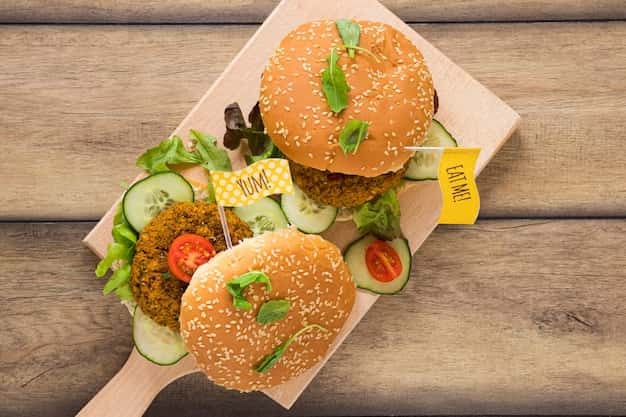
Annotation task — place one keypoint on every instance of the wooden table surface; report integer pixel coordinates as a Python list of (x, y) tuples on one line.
[(522, 313)]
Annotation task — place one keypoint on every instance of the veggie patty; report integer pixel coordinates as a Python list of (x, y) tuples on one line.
[(155, 290), (342, 190)]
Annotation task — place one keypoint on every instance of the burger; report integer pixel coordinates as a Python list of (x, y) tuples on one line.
[(267, 310), (341, 100)]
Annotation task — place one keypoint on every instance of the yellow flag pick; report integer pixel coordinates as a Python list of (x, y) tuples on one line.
[(461, 201), (243, 187)]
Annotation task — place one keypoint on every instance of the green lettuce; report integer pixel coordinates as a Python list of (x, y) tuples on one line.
[(169, 152), (212, 157), (204, 152), (118, 258), (380, 217)]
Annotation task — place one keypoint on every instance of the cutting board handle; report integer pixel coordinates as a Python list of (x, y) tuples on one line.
[(131, 391)]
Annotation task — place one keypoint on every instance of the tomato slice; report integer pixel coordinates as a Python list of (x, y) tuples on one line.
[(187, 252), (382, 261)]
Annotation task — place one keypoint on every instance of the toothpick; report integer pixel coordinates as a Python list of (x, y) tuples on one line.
[(229, 242), (424, 148)]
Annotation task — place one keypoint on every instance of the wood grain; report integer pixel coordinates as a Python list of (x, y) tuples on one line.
[(117, 90), (538, 327), (247, 11)]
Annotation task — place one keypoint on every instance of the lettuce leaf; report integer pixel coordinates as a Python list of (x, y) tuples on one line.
[(212, 157), (119, 257), (236, 129), (118, 278), (124, 293), (380, 217), (169, 152), (115, 251)]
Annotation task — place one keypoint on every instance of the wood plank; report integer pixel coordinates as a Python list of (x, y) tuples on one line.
[(530, 330), (245, 11), (117, 90)]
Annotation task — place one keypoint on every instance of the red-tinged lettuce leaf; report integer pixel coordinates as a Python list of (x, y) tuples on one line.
[(236, 129)]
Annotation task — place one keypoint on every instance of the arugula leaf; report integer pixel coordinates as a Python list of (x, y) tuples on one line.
[(236, 286), (380, 217), (272, 310), (270, 360), (350, 32), (169, 152), (119, 257), (364, 50), (353, 133), (334, 84), (248, 278)]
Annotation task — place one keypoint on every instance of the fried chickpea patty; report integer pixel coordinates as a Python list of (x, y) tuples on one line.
[(157, 293), (342, 190)]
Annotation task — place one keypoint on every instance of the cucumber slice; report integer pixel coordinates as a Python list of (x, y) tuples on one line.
[(263, 216), (424, 165), (146, 198), (307, 215), (159, 344), (354, 256)]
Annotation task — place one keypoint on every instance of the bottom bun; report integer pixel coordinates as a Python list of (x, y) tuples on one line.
[(228, 343)]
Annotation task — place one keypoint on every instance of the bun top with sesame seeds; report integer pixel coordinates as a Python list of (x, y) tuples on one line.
[(394, 95), (228, 343)]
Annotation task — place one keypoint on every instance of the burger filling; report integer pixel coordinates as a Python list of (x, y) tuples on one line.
[(342, 190)]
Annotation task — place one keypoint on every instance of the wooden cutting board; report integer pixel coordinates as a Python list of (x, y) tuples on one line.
[(473, 114)]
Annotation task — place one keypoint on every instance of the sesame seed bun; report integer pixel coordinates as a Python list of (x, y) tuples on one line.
[(228, 343), (395, 96)]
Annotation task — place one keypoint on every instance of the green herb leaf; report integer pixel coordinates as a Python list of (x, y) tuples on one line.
[(248, 278), (380, 217), (353, 133), (270, 360), (364, 50), (272, 310), (236, 286), (166, 276), (240, 303), (169, 152), (334, 84), (350, 32)]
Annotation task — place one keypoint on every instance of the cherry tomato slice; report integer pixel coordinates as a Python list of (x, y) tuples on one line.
[(382, 261), (187, 252)]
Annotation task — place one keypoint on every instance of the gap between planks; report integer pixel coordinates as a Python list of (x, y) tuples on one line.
[(244, 11)]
